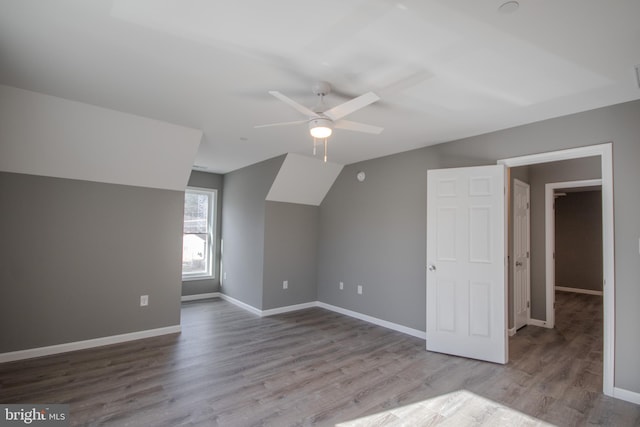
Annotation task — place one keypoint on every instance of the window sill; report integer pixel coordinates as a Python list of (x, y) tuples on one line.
[(193, 278)]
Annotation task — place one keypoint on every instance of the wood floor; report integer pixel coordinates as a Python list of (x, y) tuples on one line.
[(316, 367)]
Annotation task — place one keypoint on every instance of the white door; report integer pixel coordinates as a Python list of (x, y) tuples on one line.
[(521, 247), (466, 281)]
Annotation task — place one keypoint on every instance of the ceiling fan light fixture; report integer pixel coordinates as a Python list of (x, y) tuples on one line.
[(321, 132), (320, 128)]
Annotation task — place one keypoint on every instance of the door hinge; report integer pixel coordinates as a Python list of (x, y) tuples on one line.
[(528, 304), (527, 205), (527, 254)]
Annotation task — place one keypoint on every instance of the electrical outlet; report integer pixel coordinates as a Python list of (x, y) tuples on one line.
[(144, 300), (285, 284), (359, 289), (341, 285)]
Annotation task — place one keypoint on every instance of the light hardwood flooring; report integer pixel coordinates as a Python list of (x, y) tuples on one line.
[(316, 367)]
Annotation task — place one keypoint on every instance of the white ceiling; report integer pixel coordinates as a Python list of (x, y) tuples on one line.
[(445, 69)]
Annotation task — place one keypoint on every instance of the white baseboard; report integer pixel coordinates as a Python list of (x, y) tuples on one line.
[(512, 331), (241, 304), (200, 296), (287, 309), (629, 396), (578, 290), (540, 323), (270, 312), (386, 324), (82, 345)]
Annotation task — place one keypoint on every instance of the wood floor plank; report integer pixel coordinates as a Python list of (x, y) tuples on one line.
[(316, 367)]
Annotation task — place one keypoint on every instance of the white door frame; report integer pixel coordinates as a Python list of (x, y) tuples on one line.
[(517, 182), (605, 151), (550, 240)]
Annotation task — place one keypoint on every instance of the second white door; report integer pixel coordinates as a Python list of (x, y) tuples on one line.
[(521, 248)]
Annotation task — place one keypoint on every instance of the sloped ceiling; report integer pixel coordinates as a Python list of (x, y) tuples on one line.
[(303, 180), (445, 69), (50, 136)]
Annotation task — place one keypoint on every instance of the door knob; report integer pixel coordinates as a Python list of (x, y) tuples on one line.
[(518, 264), (431, 267)]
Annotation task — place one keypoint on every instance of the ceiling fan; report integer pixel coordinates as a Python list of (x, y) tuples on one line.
[(322, 121)]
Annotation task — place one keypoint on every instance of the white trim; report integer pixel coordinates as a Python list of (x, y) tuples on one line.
[(288, 308), (540, 323), (212, 193), (241, 304), (270, 312), (82, 345), (511, 331), (196, 297), (554, 156), (196, 278), (578, 290), (629, 396), (605, 151), (385, 324), (609, 269), (550, 239)]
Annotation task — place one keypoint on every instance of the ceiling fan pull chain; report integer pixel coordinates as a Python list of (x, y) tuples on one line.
[(314, 146), (325, 150)]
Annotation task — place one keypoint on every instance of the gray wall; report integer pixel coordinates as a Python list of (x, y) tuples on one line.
[(214, 181), (76, 256), (243, 213), (361, 239), (290, 250), (578, 237), (539, 176), (373, 233)]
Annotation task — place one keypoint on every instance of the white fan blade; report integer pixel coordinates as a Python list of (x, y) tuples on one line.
[(358, 127), (349, 107), (304, 110), (297, 122)]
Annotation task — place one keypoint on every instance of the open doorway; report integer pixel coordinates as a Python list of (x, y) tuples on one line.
[(573, 240), (603, 156)]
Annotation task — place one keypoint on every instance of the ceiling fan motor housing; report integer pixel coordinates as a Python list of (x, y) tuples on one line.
[(320, 127), (321, 88), (320, 122)]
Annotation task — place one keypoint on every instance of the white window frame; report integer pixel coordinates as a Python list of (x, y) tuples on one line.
[(213, 204)]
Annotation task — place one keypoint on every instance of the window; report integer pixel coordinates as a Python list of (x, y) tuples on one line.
[(198, 234)]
